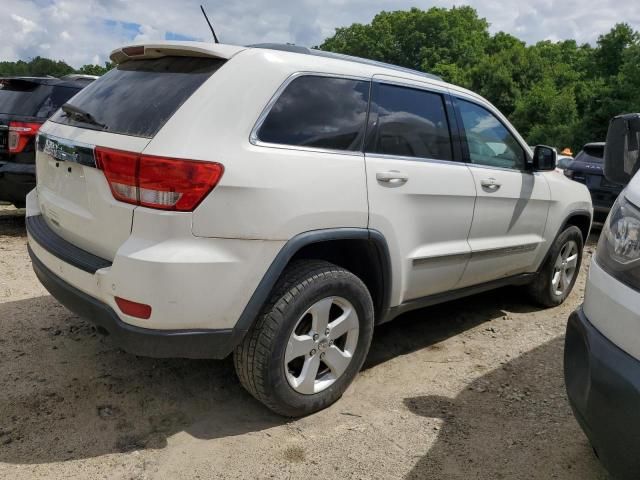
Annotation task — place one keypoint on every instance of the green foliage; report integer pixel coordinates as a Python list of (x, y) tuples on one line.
[(556, 93), (95, 69), (39, 66)]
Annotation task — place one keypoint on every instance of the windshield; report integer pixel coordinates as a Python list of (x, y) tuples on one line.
[(591, 154)]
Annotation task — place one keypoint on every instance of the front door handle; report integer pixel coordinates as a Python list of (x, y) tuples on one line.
[(490, 184), (393, 177)]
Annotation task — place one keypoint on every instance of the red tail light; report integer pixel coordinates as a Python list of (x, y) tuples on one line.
[(20, 134), (158, 182)]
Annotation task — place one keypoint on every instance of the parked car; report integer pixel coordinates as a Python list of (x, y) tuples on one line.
[(602, 347), (587, 168), (564, 161), (282, 219), (25, 103)]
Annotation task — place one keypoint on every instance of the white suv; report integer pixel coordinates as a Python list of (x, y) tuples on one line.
[(279, 202)]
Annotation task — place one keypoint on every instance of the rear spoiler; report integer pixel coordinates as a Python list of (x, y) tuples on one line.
[(175, 49)]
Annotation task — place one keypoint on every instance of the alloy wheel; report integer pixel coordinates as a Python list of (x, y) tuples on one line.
[(565, 268), (321, 345)]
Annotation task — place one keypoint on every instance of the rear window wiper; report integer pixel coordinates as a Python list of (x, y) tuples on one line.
[(81, 115)]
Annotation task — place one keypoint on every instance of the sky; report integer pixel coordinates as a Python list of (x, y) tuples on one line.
[(86, 31)]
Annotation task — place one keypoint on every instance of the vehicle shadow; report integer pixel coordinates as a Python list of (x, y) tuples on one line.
[(515, 422), (428, 326), (12, 222), (67, 393)]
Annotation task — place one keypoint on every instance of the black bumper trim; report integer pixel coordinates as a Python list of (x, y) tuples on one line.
[(67, 252), (196, 343), (603, 386)]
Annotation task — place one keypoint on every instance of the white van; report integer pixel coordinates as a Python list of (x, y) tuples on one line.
[(602, 350)]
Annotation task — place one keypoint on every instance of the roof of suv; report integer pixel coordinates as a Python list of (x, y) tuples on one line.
[(219, 50)]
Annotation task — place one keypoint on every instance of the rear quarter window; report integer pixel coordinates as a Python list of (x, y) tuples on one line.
[(139, 96), (318, 112)]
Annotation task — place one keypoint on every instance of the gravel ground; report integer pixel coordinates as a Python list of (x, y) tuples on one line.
[(469, 389)]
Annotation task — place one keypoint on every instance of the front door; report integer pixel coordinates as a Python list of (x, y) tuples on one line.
[(421, 196), (512, 204)]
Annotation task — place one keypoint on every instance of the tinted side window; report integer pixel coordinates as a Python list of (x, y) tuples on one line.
[(411, 123), (320, 112), (489, 141)]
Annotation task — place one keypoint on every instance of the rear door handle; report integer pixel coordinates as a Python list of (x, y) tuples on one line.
[(490, 184), (393, 177)]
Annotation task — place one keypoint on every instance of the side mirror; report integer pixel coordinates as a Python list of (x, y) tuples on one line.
[(544, 158), (622, 147)]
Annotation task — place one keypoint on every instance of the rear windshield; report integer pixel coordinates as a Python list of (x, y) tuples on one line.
[(591, 154), (28, 99), (139, 96)]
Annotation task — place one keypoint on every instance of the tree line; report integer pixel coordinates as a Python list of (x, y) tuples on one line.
[(556, 93), (40, 66)]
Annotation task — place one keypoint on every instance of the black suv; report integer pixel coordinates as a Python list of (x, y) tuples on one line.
[(25, 104), (588, 168)]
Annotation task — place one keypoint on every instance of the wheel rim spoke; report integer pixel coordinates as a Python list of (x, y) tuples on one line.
[(298, 346), (558, 264), (345, 322), (336, 360), (320, 315), (572, 261), (307, 379), (565, 267)]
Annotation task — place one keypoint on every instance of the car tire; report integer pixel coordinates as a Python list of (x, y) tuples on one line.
[(553, 284), (308, 292)]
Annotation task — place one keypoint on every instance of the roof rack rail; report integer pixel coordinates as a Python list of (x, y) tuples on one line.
[(287, 47)]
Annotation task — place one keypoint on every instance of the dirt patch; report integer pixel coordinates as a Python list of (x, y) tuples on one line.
[(469, 389)]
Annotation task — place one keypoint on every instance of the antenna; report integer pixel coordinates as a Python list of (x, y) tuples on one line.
[(215, 38)]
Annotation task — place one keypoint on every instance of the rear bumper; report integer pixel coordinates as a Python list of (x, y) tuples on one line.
[(138, 341), (16, 180), (603, 386)]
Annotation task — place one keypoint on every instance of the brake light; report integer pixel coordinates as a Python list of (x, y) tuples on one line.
[(134, 309), (20, 134), (158, 182)]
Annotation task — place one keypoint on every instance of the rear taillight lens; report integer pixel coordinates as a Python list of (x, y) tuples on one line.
[(20, 134), (134, 309), (158, 182)]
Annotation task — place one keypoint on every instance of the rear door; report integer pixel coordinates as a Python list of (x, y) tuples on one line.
[(421, 194), (125, 109), (512, 204)]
